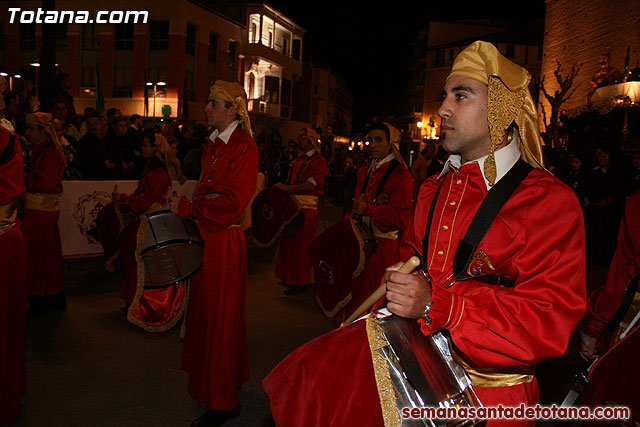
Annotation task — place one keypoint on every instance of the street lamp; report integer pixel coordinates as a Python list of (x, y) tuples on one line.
[(155, 85)]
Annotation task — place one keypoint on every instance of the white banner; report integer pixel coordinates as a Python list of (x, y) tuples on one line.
[(82, 200)]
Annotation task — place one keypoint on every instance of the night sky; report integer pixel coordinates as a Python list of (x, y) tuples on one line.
[(369, 46)]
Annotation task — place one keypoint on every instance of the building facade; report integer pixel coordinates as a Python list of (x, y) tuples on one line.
[(132, 58)]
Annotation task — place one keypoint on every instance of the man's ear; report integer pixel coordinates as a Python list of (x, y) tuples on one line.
[(232, 112)]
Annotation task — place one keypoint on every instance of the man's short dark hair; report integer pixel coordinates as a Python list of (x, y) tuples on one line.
[(135, 117), (380, 126), (111, 112), (116, 120)]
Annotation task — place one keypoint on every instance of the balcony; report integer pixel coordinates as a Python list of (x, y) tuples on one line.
[(268, 108), (261, 51)]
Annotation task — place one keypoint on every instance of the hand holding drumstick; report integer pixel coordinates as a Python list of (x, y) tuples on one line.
[(399, 271)]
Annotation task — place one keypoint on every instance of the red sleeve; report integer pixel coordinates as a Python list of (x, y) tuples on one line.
[(45, 173), (221, 212), (11, 171), (495, 326), (394, 214), (318, 170), (152, 188), (624, 266)]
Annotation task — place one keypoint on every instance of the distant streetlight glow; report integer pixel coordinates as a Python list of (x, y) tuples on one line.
[(419, 124)]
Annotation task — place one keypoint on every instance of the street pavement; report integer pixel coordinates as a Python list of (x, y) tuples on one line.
[(89, 367)]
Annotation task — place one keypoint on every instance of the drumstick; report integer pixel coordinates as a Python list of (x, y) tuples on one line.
[(405, 268)]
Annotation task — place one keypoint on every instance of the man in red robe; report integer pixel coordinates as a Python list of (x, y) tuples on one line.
[(215, 343), (45, 271), (305, 183), (383, 207), (13, 286), (533, 251)]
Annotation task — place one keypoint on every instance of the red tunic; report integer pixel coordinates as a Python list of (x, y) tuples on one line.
[(154, 310), (293, 266), (390, 212), (215, 343), (45, 271), (604, 301), (13, 289), (537, 240)]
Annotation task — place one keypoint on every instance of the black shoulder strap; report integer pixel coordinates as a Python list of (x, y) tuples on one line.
[(627, 299), (8, 150), (484, 217), (482, 220), (394, 164)]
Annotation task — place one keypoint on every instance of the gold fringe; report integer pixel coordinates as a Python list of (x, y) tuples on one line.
[(277, 235), (381, 370), (339, 306), (140, 288), (358, 271)]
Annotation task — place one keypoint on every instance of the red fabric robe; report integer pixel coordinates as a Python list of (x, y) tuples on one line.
[(625, 265), (293, 266), (215, 343), (616, 372), (537, 240), (391, 211), (159, 309), (13, 289), (45, 270)]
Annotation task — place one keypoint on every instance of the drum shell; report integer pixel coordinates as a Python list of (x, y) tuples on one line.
[(172, 249)]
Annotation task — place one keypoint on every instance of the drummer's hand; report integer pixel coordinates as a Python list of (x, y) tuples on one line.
[(281, 185), (360, 205), (587, 347), (407, 294), (115, 196)]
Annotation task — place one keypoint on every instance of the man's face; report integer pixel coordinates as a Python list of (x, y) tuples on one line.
[(93, 125), (147, 149), (13, 107), (378, 144), (603, 158), (304, 141), (58, 127), (120, 128), (60, 111), (217, 114), (465, 126), (36, 135), (575, 163)]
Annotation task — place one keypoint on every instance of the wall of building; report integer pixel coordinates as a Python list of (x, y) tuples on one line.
[(577, 32)]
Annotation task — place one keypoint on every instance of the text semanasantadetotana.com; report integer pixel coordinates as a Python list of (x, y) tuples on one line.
[(536, 412)]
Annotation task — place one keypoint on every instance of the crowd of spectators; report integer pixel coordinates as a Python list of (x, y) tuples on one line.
[(108, 147)]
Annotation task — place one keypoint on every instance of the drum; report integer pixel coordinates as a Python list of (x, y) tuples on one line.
[(423, 371), (110, 221), (337, 259), (613, 378), (172, 249), (274, 214)]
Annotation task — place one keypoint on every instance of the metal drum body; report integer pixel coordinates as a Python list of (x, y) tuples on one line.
[(424, 373), (172, 249)]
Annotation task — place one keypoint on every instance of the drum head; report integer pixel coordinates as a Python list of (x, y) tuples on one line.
[(272, 211)]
